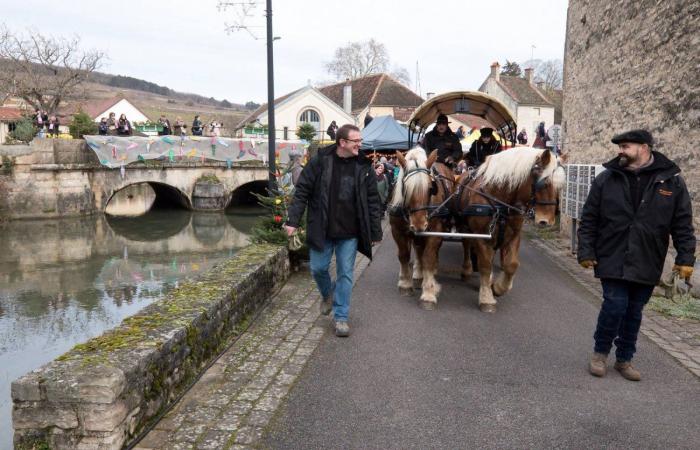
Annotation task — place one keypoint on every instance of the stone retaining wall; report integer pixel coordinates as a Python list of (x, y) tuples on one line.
[(104, 392)]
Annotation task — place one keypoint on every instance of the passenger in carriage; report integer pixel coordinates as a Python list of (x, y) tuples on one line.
[(485, 146), (443, 139)]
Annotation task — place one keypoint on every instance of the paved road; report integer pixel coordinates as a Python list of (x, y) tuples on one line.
[(457, 378)]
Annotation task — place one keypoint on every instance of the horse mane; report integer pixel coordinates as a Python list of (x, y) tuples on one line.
[(414, 185), (511, 168)]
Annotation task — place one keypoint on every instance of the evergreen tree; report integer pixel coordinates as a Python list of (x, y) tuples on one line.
[(511, 68)]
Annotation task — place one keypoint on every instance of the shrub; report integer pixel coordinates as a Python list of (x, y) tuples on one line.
[(306, 132), (24, 130), (82, 125)]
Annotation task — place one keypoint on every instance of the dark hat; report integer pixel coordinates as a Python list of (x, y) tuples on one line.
[(442, 119), (636, 136), (486, 131)]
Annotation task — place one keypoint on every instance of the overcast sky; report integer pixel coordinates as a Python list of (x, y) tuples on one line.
[(182, 44)]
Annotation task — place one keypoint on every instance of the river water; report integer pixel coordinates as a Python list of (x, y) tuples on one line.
[(65, 281)]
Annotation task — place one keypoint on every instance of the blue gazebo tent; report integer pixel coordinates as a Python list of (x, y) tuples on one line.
[(384, 133)]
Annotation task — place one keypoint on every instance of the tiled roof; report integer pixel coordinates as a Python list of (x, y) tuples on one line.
[(8, 114), (93, 108), (373, 90), (473, 121), (522, 91), (261, 109)]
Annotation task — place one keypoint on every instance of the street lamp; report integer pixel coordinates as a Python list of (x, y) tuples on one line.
[(272, 183)]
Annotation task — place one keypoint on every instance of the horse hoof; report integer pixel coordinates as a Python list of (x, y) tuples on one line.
[(487, 307), (426, 305), (406, 292), (418, 283), (465, 276)]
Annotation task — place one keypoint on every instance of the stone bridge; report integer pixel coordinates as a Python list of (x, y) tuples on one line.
[(56, 178)]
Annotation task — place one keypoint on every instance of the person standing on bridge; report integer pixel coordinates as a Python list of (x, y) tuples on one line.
[(631, 210), (340, 188), (442, 139)]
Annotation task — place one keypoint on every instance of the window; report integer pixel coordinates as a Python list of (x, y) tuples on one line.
[(11, 126), (537, 110), (309, 116)]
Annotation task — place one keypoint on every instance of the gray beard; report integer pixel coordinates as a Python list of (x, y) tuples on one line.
[(624, 161)]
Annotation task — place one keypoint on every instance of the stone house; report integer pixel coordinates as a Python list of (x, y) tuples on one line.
[(526, 101), (625, 67), (346, 102)]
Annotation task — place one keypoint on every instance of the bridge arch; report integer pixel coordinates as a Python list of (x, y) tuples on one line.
[(242, 195), (138, 198)]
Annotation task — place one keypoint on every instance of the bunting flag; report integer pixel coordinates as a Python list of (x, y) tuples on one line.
[(171, 155), (228, 163), (122, 171), (113, 151)]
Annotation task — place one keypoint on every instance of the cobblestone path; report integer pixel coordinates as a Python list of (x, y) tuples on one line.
[(235, 399)]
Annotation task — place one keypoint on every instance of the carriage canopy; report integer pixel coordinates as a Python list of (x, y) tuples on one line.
[(465, 102)]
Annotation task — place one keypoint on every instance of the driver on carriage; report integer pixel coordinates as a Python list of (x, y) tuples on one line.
[(443, 139), (485, 146)]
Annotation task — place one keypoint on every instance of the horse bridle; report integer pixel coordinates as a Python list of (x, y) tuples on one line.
[(434, 209)]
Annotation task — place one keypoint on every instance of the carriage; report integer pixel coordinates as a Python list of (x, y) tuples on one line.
[(484, 209)]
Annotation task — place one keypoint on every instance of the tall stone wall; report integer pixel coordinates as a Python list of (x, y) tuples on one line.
[(634, 64)]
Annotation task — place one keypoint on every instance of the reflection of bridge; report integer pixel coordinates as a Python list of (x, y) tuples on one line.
[(56, 179)]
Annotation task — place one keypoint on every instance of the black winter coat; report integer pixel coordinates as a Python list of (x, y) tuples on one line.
[(629, 245), (312, 190), (446, 144), (479, 151)]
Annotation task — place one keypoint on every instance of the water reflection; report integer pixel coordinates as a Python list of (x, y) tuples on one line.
[(64, 281)]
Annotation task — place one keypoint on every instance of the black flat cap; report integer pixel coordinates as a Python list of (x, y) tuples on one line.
[(486, 131), (442, 119), (635, 136)]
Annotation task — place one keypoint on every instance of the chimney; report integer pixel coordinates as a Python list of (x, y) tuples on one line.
[(496, 71), (429, 95), (347, 97), (528, 75), (540, 85)]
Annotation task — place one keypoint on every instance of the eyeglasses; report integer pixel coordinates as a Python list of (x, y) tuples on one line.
[(354, 141)]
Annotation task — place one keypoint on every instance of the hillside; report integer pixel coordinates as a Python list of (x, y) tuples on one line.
[(155, 100)]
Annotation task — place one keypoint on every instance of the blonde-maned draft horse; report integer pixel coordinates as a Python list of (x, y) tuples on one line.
[(496, 200), (417, 205)]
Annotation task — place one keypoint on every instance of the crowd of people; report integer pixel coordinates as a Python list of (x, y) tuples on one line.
[(122, 126), (45, 124)]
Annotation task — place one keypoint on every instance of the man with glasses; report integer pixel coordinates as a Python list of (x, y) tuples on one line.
[(344, 212)]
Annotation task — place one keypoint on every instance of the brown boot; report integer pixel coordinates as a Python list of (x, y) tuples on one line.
[(627, 371), (598, 364)]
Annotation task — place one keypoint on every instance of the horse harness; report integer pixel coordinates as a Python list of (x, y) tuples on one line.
[(498, 210)]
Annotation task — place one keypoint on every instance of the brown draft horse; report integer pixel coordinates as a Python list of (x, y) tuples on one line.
[(417, 205), (495, 201)]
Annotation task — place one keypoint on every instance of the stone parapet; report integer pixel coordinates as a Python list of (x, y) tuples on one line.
[(104, 392)]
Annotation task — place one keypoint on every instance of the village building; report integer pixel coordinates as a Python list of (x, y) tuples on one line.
[(527, 102), (345, 102), (97, 109), (9, 116)]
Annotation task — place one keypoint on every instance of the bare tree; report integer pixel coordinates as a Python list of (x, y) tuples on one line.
[(550, 72), (359, 59), (44, 70)]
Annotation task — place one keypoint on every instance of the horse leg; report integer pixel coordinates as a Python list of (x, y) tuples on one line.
[(418, 263), (399, 231), (467, 268), (509, 264), (485, 256), (429, 262), (405, 282)]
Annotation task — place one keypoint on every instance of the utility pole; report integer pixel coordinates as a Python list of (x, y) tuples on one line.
[(272, 183)]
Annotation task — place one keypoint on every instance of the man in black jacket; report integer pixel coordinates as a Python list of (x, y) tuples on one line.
[(631, 210), (485, 146), (340, 188), (442, 139)]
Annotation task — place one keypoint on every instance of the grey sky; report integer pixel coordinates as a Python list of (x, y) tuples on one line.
[(182, 43)]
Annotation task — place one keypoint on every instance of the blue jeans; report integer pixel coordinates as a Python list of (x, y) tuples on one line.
[(345, 251), (620, 317)]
